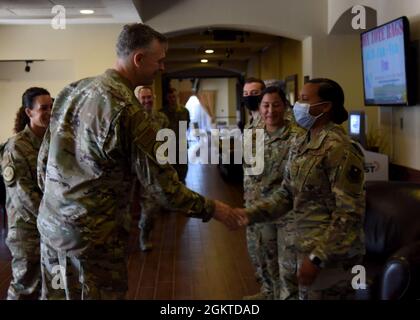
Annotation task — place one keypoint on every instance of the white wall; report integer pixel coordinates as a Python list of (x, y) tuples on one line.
[(403, 144), (293, 18), (221, 86), (386, 10), (71, 54), (307, 57)]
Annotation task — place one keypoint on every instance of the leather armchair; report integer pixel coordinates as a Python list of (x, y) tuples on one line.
[(3, 202), (392, 235)]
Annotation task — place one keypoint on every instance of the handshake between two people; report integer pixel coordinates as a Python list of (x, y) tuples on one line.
[(235, 218), (232, 218)]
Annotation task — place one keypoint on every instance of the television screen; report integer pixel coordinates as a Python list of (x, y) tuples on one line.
[(355, 124), (384, 58)]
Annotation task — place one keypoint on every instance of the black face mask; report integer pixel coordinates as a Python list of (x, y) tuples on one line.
[(251, 102)]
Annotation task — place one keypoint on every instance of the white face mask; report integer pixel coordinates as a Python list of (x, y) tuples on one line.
[(302, 115)]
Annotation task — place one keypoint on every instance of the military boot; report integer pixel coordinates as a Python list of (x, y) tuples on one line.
[(144, 241)]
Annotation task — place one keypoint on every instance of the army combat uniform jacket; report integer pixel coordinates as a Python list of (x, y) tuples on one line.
[(98, 130), (262, 238), (324, 185), (149, 206), (175, 116), (276, 150), (23, 196), (255, 123), (159, 120)]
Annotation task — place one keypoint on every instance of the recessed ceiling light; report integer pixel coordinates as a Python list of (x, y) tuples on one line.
[(87, 11), (209, 51), (204, 60)]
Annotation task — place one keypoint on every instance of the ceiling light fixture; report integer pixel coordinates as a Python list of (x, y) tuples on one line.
[(209, 51), (204, 60), (87, 11)]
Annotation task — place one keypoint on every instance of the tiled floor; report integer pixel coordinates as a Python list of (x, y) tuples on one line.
[(191, 259)]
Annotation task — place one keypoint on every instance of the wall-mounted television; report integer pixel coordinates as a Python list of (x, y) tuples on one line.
[(386, 63)]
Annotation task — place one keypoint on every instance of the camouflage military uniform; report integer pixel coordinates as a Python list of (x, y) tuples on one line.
[(263, 237), (97, 131), (175, 116), (255, 123), (324, 184), (159, 119), (149, 205), (254, 232), (23, 196)]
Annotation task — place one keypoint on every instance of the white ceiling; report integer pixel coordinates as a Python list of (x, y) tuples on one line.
[(40, 11), (186, 48)]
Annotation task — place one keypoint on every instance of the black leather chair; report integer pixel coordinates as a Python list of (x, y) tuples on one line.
[(3, 202), (392, 231)]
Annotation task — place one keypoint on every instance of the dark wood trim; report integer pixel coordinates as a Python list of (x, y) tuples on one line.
[(400, 173)]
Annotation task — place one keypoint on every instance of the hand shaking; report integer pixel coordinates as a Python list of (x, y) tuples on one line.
[(230, 217)]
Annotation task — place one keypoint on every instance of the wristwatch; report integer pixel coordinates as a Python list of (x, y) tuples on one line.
[(316, 260)]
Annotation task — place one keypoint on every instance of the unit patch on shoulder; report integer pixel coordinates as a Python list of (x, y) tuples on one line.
[(355, 174), (8, 174)]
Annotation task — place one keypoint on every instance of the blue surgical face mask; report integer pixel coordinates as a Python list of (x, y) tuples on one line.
[(302, 115)]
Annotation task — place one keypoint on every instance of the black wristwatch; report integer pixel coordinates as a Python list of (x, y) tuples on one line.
[(316, 260)]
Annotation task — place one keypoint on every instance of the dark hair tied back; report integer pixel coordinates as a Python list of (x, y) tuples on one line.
[(330, 90), (28, 98)]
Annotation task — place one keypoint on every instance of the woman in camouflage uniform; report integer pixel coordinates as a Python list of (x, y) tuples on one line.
[(18, 164), (324, 185), (262, 237)]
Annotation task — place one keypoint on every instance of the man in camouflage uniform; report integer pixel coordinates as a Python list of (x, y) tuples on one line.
[(324, 185), (149, 205), (175, 114), (252, 90), (98, 139), (251, 96), (18, 168)]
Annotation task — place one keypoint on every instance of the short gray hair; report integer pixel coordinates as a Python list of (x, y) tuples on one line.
[(136, 36)]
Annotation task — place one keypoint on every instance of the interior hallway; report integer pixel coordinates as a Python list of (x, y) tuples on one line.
[(190, 259)]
